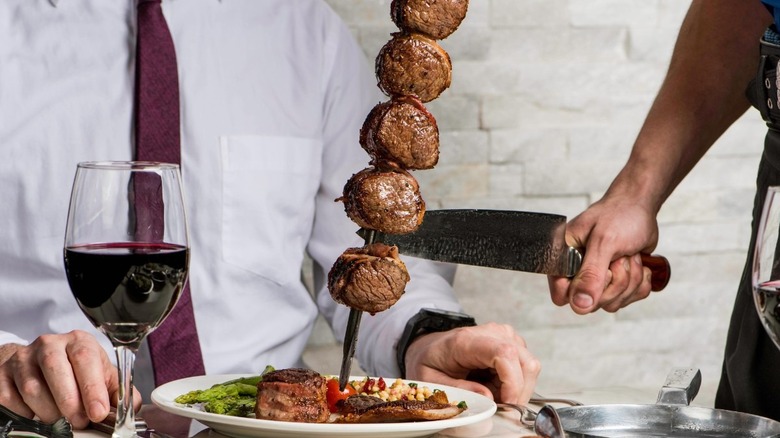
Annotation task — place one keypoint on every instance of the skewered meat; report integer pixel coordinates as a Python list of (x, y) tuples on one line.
[(413, 64), (370, 279), (400, 135), (435, 18), (367, 409), (384, 200), (293, 394), (401, 131)]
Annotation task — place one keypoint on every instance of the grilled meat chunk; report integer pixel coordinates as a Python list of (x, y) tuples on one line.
[(435, 18), (401, 131), (293, 394), (413, 64), (386, 200), (358, 410), (370, 279)]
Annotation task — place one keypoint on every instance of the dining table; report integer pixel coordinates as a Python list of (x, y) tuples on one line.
[(505, 423)]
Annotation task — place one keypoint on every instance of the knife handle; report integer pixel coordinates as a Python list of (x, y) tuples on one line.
[(660, 270)]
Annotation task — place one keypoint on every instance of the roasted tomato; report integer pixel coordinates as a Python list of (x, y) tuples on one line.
[(334, 395)]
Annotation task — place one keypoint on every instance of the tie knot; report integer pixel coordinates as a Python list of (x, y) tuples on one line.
[(140, 2)]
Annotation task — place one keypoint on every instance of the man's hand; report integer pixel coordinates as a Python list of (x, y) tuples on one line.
[(490, 359), (66, 375), (612, 233)]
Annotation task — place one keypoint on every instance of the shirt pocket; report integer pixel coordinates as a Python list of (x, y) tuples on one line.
[(268, 195)]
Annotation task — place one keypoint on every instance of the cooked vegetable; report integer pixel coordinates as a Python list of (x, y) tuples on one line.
[(334, 395), (235, 397)]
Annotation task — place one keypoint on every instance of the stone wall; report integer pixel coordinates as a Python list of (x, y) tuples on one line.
[(546, 99)]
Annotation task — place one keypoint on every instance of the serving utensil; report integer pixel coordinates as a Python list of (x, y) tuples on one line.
[(671, 415), (350, 342), (353, 325), (548, 423), (505, 239)]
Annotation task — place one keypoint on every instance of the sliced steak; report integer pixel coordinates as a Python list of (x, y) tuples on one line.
[(413, 64), (370, 279), (386, 200), (293, 394), (435, 18), (401, 131), (356, 410)]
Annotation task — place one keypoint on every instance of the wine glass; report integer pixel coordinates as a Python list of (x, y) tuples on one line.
[(766, 266), (126, 257)]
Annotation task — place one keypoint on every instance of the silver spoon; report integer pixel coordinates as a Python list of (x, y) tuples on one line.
[(548, 423)]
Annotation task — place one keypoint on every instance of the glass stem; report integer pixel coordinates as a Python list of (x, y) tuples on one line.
[(125, 415)]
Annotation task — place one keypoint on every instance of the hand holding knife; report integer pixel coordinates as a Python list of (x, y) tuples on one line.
[(504, 239)]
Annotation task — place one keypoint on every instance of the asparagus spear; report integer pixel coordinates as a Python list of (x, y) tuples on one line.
[(234, 397)]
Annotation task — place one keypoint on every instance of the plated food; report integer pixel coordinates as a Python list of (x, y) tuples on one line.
[(305, 396), (480, 408)]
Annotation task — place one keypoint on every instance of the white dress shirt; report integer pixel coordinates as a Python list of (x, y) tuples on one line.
[(273, 94)]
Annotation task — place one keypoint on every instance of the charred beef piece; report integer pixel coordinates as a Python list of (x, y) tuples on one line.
[(435, 18), (357, 410), (293, 394), (413, 64), (370, 279), (401, 131), (386, 200), (358, 403)]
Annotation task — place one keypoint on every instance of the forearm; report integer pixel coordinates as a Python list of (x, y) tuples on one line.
[(701, 96)]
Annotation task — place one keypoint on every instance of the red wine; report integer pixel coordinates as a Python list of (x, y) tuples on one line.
[(767, 299), (126, 289)]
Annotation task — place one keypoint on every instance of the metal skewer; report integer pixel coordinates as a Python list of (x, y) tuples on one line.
[(350, 336)]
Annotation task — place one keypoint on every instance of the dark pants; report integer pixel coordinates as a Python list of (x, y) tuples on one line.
[(750, 381)]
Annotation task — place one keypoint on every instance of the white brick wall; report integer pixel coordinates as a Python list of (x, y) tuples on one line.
[(546, 99)]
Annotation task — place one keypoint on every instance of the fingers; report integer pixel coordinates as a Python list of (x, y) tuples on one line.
[(491, 359), (30, 383), (622, 282), (58, 375), (92, 377), (9, 396), (531, 367), (589, 284), (630, 283), (559, 290), (513, 367)]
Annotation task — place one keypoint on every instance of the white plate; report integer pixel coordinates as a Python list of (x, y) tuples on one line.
[(479, 408)]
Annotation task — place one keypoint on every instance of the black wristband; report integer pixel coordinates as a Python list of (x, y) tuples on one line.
[(428, 321)]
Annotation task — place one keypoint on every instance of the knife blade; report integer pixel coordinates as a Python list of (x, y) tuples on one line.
[(505, 239), (350, 343), (353, 325)]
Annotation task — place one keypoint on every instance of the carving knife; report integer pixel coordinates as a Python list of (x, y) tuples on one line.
[(353, 324), (505, 239)]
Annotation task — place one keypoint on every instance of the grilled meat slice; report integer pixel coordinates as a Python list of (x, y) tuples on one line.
[(292, 394), (435, 18), (401, 131), (386, 200), (357, 410), (413, 64), (370, 279)]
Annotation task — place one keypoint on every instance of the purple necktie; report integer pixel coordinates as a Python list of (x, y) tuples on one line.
[(174, 345)]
